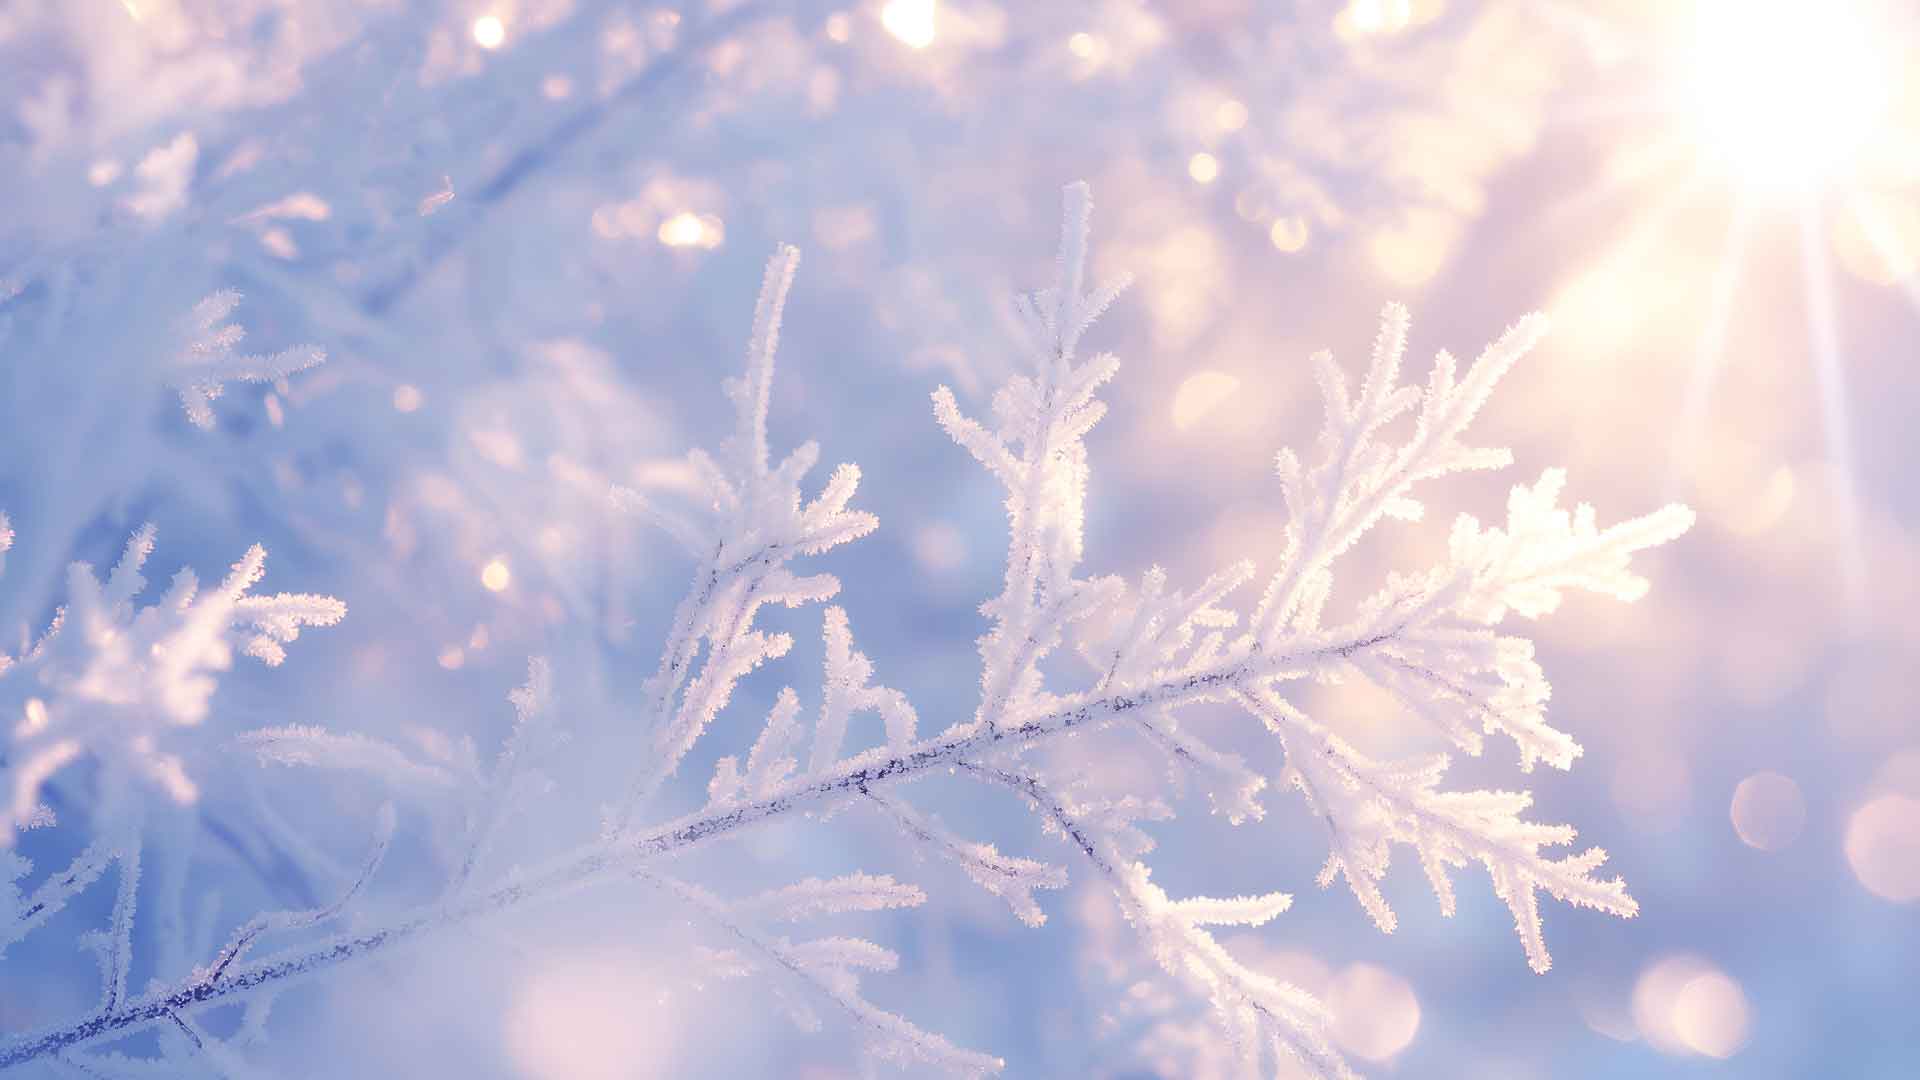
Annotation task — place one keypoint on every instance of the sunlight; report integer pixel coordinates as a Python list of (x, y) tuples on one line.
[(1710, 353), (1788, 110), (688, 229), (1823, 326), (1786, 93), (1883, 847), (496, 576), (1710, 1015), (489, 32), (912, 21), (1200, 394)]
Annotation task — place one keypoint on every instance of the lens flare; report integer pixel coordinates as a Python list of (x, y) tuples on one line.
[(1785, 94), (489, 32)]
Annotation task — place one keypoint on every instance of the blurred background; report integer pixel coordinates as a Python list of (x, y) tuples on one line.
[(528, 234)]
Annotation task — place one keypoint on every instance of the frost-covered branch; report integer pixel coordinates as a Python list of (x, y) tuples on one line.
[(816, 896), (602, 860), (1009, 877), (1266, 1019), (281, 921), (830, 968), (845, 691), (1432, 639), (208, 361), (757, 523), (21, 915), (1369, 805), (110, 679), (1036, 449), (1356, 479)]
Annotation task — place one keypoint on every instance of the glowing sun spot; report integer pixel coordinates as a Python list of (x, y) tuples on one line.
[(489, 32), (1785, 94), (911, 21), (495, 576)]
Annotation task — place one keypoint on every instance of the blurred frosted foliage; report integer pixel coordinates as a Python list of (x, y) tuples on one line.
[(523, 233)]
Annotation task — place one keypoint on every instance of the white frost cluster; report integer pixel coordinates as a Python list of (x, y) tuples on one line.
[(208, 362), (113, 682), (111, 678), (1152, 652), (758, 521)]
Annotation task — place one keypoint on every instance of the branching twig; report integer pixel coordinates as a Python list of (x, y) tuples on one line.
[(600, 861)]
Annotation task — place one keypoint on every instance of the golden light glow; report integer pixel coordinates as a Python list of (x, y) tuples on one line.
[(1411, 250), (1081, 45), (1878, 241), (1376, 1012), (279, 243), (1230, 115), (912, 21), (36, 719), (1785, 94), (1768, 505), (1363, 17), (1685, 1004), (489, 32), (495, 576), (1203, 167), (1710, 1015), (1883, 847), (688, 229), (1200, 394), (1289, 234)]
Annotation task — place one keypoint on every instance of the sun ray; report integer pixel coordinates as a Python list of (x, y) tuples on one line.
[(1629, 171), (1824, 335), (1781, 106), (1650, 226), (1785, 95), (1591, 297), (1710, 353)]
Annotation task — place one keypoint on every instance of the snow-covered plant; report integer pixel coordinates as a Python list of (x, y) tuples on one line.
[(111, 684), (1153, 653), (208, 362), (111, 679)]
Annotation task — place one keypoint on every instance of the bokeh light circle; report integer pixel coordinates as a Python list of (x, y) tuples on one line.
[(1883, 847), (1376, 1013), (1685, 1005), (1768, 811), (1710, 1015)]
